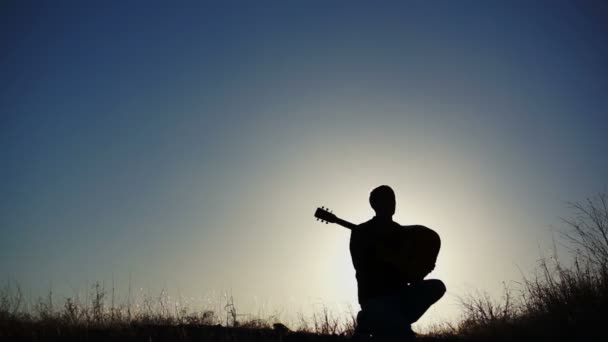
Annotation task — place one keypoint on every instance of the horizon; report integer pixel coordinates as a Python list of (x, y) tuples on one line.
[(186, 148)]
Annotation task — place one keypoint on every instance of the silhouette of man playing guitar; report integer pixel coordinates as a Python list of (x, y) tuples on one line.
[(391, 262), (388, 304)]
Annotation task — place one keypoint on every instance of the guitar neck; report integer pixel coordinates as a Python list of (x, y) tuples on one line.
[(345, 224)]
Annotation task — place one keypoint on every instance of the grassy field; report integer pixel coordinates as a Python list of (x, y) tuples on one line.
[(558, 303)]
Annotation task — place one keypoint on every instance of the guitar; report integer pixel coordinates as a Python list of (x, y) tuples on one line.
[(416, 251)]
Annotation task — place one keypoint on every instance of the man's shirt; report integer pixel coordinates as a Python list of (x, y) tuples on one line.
[(368, 244)]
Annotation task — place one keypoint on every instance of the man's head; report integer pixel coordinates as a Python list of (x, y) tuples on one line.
[(382, 199)]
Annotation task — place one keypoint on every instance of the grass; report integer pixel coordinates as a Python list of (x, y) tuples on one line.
[(153, 318), (559, 303)]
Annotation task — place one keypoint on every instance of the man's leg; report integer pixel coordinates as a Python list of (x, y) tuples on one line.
[(382, 316), (392, 315), (418, 297)]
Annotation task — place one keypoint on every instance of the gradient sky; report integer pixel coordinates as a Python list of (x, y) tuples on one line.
[(187, 147)]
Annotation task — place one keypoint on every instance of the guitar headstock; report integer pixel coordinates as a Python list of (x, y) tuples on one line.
[(325, 215)]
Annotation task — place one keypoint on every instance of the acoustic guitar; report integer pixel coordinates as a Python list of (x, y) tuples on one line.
[(413, 252)]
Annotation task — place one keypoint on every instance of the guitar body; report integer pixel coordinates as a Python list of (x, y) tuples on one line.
[(415, 251)]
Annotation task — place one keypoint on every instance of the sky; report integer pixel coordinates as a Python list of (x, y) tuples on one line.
[(154, 145)]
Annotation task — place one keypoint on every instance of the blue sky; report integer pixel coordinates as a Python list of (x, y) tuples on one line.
[(188, 144)]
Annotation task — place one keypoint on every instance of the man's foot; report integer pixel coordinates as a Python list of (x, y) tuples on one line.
[(404, 335), (409, 333), (363, 329), (366, 329)]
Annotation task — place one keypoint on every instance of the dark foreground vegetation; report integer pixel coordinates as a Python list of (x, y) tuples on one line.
[(558, 303)]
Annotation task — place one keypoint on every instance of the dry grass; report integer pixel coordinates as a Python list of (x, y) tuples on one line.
[(99, 317), (558, 302)]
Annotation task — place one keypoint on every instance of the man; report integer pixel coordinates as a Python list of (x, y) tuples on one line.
[(389, 305)]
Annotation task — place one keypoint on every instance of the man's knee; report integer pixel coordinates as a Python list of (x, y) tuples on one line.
[(437, 287)]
